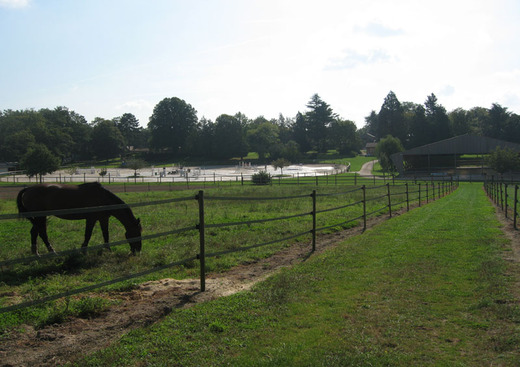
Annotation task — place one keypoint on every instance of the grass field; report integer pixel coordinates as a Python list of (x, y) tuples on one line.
[(427, 288), (32, 280)]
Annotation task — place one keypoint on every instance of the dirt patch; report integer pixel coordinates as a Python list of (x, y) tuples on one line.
[(57, 344)]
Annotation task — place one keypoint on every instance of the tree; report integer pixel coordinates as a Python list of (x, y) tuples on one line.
[(129, 127), (390, 120), (39, 160), (67, 133), (135, 164), (384, 149), (318, 119), (289, 151), (262, 136), (107, 141), (301, 132), (420, 131), (460, 121), (280, 163), (438, 119), (229, 138), (503, 160), (371, 126), (171, 123), (496, 122), (343, 136)]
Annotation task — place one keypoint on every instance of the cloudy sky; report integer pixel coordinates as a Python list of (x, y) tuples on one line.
[(103, 58)]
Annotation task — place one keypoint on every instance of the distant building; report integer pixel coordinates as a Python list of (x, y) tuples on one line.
[(462, 155), (8, 166), (370, 148)]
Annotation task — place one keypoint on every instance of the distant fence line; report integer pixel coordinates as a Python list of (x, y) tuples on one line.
[(392, 196), (144, 183), (505, 196)]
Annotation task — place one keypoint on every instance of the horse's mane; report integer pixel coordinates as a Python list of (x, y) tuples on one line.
[(110, 195)]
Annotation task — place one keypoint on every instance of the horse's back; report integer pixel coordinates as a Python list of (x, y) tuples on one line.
[(60, 196)]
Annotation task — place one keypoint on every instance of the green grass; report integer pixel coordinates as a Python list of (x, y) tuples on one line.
[(33, 280), (428, 288)]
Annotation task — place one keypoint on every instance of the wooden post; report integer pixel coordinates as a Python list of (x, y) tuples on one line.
[(505, 200), (313, 195), (419, 195), (514, 206), (201, 256), (364, 208), (407, 198), (389, 200), (501, 195)]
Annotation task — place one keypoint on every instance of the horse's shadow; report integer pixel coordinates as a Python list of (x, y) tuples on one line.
[(72, 264)]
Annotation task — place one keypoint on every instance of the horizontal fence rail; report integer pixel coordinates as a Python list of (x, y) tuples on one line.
[(394, 196)]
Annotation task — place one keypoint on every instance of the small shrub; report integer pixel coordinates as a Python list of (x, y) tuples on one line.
[(261, 178)]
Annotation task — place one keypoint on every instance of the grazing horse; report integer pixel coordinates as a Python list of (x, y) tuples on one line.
[(47, 197)]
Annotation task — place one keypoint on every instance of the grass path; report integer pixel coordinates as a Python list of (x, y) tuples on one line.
[(428, 288)]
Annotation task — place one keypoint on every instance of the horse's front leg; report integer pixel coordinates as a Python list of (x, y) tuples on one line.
[(103, 222), (89, 226)]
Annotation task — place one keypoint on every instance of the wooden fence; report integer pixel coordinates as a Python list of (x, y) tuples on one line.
[(505, 197), (387, 198)]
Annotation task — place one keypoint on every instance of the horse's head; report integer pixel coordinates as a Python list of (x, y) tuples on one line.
[(133, 235)]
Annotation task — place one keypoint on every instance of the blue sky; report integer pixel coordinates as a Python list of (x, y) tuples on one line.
[(103, 58)]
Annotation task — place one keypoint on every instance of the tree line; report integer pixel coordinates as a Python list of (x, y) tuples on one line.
[(175, 131), (419, 124)]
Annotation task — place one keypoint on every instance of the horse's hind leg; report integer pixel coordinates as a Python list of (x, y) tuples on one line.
[(41, 225), (34, 239), (89, 226)]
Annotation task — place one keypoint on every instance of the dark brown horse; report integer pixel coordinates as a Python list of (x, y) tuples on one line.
[(46, 197)]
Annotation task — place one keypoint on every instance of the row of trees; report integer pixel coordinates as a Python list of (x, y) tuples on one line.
[(175, 130), (419, 124), (66, 134)]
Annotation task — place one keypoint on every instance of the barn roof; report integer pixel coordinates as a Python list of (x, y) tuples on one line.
[(462, 144)]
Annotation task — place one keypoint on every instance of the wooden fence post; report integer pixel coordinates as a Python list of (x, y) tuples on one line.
[(419, 194), (364, 207), (389, 200), (407, 198), (313, 195), (202, 254), (505, 200), (502, 195), (516, 199)]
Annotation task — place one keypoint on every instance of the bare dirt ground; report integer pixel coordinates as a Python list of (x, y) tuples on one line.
[(55, 345)]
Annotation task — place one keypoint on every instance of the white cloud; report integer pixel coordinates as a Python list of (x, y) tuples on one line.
[(14, 3), (379, 30), (352, 59)]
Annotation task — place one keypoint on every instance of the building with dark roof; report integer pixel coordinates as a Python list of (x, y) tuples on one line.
[(460, 155)]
